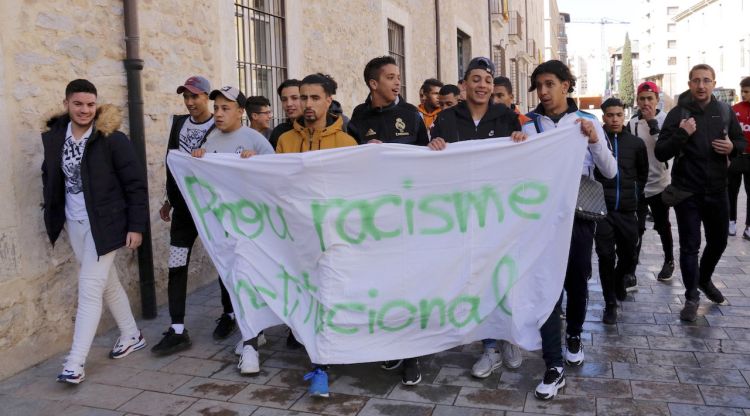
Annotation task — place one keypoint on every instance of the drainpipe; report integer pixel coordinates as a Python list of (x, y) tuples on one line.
[(489, 27), (133, 68), (437, 39)]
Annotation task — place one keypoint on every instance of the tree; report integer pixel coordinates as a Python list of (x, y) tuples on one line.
[(627, 88)]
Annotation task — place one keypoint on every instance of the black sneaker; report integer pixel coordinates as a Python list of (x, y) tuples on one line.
[(689, 312), (666, 271), (292, 343), (391, 365), (620, 292), (610, 314), (225, 326), (412, 376), (554, 380), (573, 354), (631, 283), (172, 342), (712, 293)]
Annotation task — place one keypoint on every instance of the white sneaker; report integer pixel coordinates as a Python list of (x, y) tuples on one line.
[(123, 347), (574, 351), (72, 374), (554, 380), (249, 363), (261, 342), (732, 228), (490, 360), (511, 354)]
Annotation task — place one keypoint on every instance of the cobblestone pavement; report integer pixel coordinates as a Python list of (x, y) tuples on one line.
[(650, 363)]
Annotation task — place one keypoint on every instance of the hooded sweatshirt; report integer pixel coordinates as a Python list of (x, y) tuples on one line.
[(300, 139), (428, 116), (658, 172)]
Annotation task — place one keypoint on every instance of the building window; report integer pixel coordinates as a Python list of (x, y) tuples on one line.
[(463, 51), (671, 27), (672, 60), (261, 48), (672, 11), (498, 57), (671, 44), (397, 50)]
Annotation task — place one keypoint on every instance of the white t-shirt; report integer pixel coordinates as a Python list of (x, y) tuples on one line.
[(192, 134), (72, 154)]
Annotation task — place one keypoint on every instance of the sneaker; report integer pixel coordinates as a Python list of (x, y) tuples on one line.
[(610, 314), (241, 344), (391, 365), (123, 347), (621, 292), (732, 228), (511, 354), (666, 271), (689, 312), (631, 283), (554, 380), (746, 233), (490, 360), (412, 376), (72, 375), (172, 342), (249, 364), (292, 343), (318, 382), (574, 351), (712, 293), (225, 326)]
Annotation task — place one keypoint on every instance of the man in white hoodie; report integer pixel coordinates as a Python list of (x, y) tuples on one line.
[(646, 124)]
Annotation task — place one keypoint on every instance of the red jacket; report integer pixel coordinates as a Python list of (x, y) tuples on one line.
[(742, 110)]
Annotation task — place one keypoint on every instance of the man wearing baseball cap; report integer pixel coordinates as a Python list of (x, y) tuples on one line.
[(186, 134), (646, 124), (480, 118), (231, 136)]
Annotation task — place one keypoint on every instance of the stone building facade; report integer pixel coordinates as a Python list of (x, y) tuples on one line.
[(253, 44)]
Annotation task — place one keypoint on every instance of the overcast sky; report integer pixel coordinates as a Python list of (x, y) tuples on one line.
[(585, 38)]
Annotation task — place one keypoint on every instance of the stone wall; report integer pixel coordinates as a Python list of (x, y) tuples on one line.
[(44, 45)]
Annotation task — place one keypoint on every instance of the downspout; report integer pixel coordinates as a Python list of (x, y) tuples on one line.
[(489, 28), (133, 68), (437, 39)]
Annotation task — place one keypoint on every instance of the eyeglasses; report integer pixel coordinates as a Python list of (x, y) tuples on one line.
[(704, 81)]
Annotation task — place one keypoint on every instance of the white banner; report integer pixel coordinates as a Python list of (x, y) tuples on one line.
[(391, 251)]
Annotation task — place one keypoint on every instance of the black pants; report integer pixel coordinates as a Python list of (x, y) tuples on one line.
[(576, 288), (182, 233), (713, 211), (740, 167), (616, 241), (660, 213)]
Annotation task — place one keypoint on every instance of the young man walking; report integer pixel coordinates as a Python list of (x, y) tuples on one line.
[(94, 187), (700, 133), (230, 136), (617, 235), (288, 93), (646, 124), (740, 166), (430, 106), (317, 129), (553, 81)]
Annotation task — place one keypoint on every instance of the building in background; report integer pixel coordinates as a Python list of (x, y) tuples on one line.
[(251, 44), (658, 45)]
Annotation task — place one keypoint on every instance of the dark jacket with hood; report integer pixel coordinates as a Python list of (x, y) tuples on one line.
[(173, 192), (697, 167), (114, 187), (456, 124), (623, 192), (398, 122)]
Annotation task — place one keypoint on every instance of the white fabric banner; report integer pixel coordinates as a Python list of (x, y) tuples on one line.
[(391, 251)]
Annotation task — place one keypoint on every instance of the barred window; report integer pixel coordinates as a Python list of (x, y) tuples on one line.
[(397, 50)]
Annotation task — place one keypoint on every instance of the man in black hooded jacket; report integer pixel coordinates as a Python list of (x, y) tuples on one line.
[(700, 135), (617, 235)]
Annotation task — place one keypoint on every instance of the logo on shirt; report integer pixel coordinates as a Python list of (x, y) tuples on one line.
[(371, 132), (400, 126), (492, 133)]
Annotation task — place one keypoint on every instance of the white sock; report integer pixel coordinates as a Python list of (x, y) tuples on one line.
[(231, 315), (178, 328)]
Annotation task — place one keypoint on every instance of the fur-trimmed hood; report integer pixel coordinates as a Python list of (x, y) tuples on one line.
[(108, 119)]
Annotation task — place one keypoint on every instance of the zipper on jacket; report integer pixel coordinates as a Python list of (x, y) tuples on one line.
[(617, 177)]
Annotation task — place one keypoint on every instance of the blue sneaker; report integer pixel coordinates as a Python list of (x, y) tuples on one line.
[(319, 383)]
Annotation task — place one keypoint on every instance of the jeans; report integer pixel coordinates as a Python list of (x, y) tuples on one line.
[(97, 283), (713, 211), (576, 288)]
